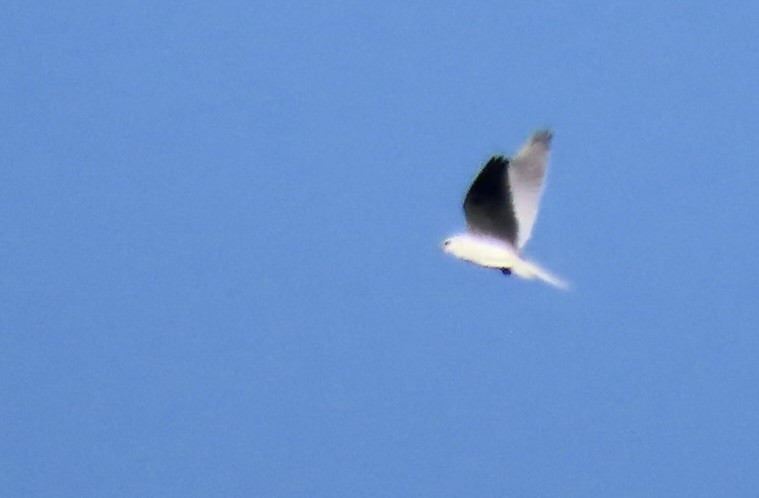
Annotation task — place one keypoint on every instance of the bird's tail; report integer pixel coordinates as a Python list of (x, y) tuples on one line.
[(529, 270)]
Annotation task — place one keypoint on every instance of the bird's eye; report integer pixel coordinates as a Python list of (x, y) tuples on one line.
[(446, 243)]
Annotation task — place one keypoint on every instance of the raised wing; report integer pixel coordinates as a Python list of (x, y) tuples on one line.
[(526, 174), (488, 206)]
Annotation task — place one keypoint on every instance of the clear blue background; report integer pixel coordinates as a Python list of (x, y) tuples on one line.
[(220, 271)]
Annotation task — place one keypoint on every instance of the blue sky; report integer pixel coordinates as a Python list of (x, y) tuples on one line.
[(220, 271)]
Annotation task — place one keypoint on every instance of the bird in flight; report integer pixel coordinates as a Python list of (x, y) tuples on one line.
[(500, 209)]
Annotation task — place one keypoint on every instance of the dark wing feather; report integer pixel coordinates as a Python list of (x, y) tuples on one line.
[(488, 206)]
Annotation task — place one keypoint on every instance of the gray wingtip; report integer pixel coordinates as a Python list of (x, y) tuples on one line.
[(543, 136)]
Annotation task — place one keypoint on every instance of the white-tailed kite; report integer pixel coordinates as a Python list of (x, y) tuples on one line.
[(500, 209)]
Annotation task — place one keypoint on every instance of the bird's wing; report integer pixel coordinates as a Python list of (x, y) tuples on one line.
[(526, 173), (488, 206)]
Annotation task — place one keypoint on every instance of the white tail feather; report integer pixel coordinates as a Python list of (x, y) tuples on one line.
[(529, 270)]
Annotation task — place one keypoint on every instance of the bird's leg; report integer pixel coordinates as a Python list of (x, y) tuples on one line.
[(506, 271)]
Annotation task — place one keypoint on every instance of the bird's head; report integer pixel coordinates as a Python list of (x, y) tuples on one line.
[(456, 245)]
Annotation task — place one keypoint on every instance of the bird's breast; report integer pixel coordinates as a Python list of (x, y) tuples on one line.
[(483, 252)]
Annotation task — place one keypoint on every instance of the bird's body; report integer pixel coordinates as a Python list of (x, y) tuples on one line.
[(483, 251), (500, 209)]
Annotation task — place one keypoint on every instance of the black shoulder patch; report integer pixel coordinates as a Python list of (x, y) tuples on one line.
[(488, 206)]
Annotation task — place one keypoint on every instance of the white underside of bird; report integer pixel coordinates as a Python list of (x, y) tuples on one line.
[(493, 253)]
